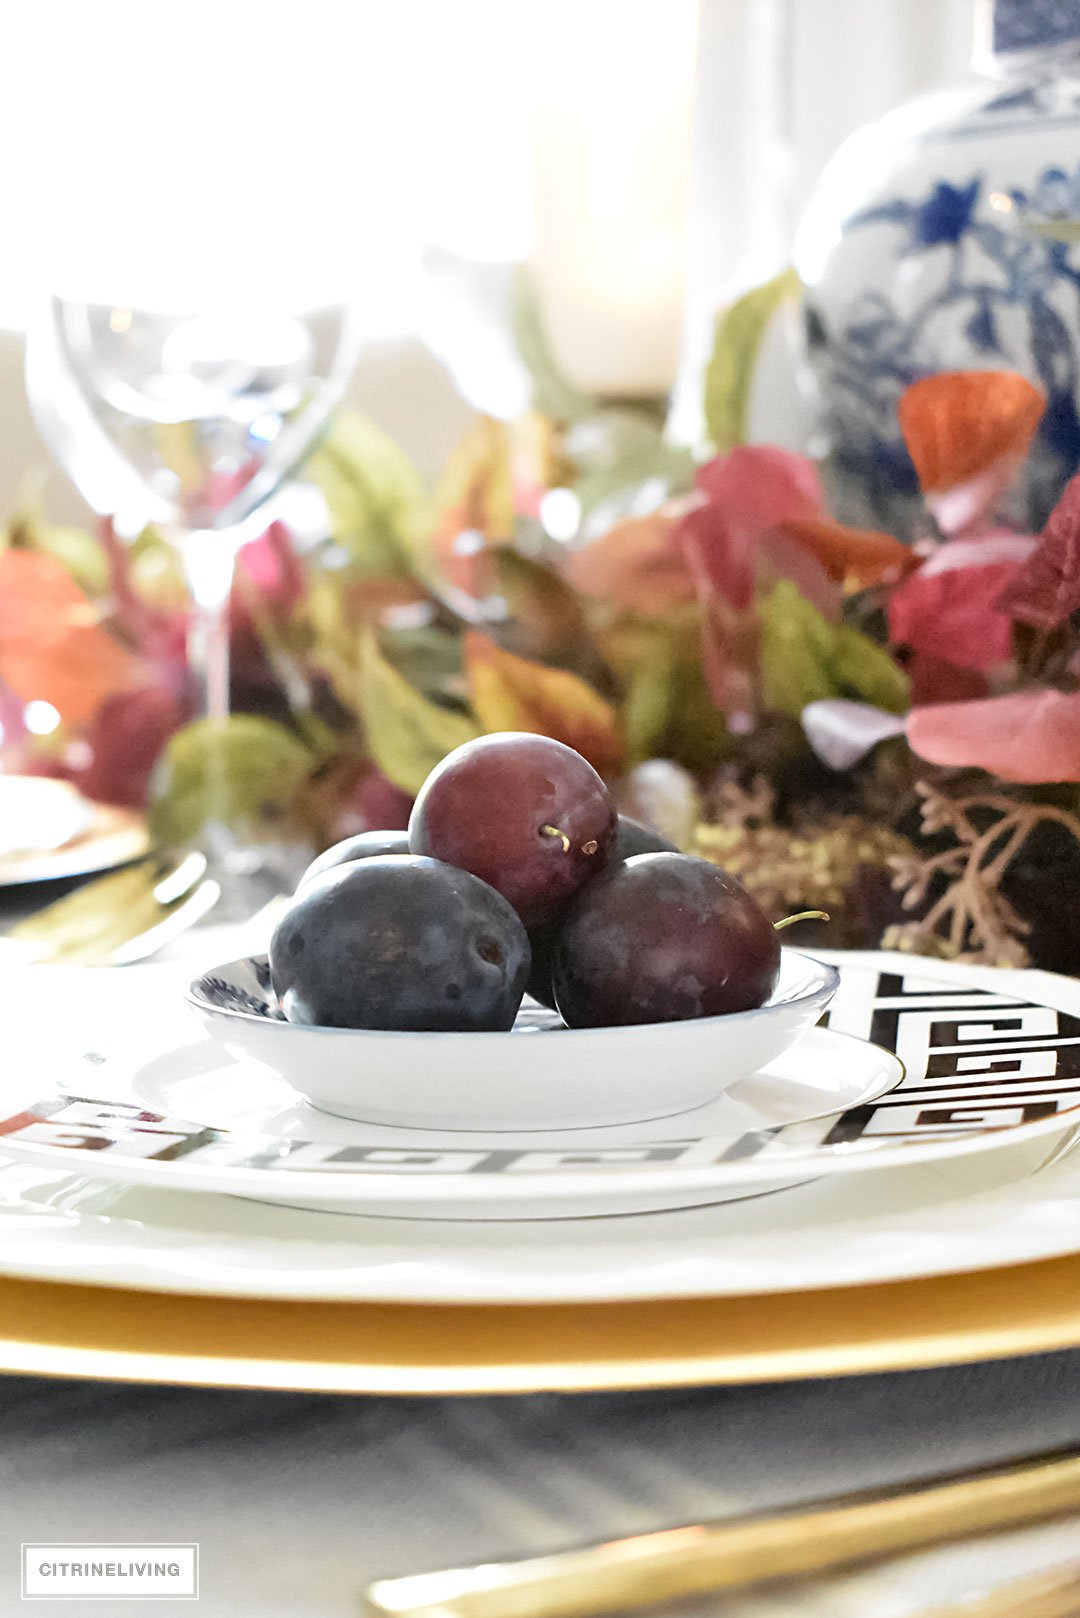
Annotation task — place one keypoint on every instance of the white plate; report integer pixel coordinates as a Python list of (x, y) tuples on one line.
[(39, 815), (539, 1075), (974, 1214), (986, 1070)]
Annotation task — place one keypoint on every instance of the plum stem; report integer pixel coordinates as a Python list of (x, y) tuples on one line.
[(556, 831), (802, 915)]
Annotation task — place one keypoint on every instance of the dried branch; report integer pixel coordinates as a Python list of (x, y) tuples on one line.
[(971, 919)]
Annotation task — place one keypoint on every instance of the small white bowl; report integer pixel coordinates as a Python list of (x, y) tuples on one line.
[(539, 1075)]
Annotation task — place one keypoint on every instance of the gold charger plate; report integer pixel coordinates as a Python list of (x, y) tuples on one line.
[(62, 1330)]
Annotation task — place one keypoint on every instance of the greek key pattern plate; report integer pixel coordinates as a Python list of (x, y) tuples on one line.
[(979, 1067)]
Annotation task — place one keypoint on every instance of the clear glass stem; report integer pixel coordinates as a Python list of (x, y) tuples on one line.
[(209, 562)]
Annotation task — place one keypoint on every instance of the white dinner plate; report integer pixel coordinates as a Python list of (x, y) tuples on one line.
[(976, 1213), (985, 1070)]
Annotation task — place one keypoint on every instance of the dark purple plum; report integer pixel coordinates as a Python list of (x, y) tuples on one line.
[(524, 813), (631, 838), (662, 938), (403, 943), (365, 845)]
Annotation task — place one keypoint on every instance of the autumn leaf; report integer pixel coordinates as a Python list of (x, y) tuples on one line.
[(1046, 590), (669, 711), (547, 616), (967, 433), (1031, 736), (378, 510), (806, 659), (858, 557), (52, 646), (244, 772), (747, 497), (637, 566), (474, 508), (951, 608), (407, 734), (511, 693)]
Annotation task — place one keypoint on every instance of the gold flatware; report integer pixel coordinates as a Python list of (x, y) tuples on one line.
[(711, 1557), (124, 917)]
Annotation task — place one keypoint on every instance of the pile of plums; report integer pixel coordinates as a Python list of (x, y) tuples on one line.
[(517, 873)]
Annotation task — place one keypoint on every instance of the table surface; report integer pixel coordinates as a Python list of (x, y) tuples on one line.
[(297, 1501)]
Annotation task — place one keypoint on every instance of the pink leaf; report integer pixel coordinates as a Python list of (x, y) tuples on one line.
[(763, 485), (1032, 736), (747, 495)]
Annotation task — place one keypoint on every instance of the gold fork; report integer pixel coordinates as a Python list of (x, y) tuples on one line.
[(711, 1557)]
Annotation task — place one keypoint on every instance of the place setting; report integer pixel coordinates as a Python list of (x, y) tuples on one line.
[(539, 819), (374, 1112)]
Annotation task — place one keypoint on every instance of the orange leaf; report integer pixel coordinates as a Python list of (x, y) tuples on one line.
[(967, 433), (508, 692), (52, 646), (475, 506), (636, 566), (860, 555)]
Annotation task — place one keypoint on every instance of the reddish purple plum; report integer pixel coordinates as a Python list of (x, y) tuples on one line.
[(631, 838), (524, 813), (663, 938)]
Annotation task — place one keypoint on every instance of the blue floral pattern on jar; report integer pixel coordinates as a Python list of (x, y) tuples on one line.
[(946, 243)]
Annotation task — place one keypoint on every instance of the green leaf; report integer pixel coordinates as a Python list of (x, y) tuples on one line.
[(730, 373), (865, 669), (378, 510), (618, 451), (407, 734), (806, 659), (669, 711), (244, 772), (76, 549), (431, 659), (553, 392)]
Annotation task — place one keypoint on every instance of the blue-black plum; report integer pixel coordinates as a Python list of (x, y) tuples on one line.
[(365, 845), (397, 942), (662, 938), (631, 838), (525, 813)]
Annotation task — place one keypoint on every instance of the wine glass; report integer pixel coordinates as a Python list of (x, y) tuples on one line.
[(191, 418)]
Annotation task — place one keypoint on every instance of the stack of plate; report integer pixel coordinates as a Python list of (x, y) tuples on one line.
[(892, 1189), (50, 832)]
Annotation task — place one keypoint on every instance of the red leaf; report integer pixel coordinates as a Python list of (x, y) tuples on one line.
[(750, 493), (1032, 736), (950, 609), (126, 738), (764, 484), (1046, 590), (935, 679), (968, 433)]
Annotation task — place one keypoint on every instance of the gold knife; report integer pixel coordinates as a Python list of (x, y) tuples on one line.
[(728, 1555)]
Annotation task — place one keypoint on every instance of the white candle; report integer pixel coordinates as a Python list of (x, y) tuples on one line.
[(611, 185)]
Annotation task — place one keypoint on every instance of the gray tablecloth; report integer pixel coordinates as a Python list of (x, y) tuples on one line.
[(298, 1501)]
